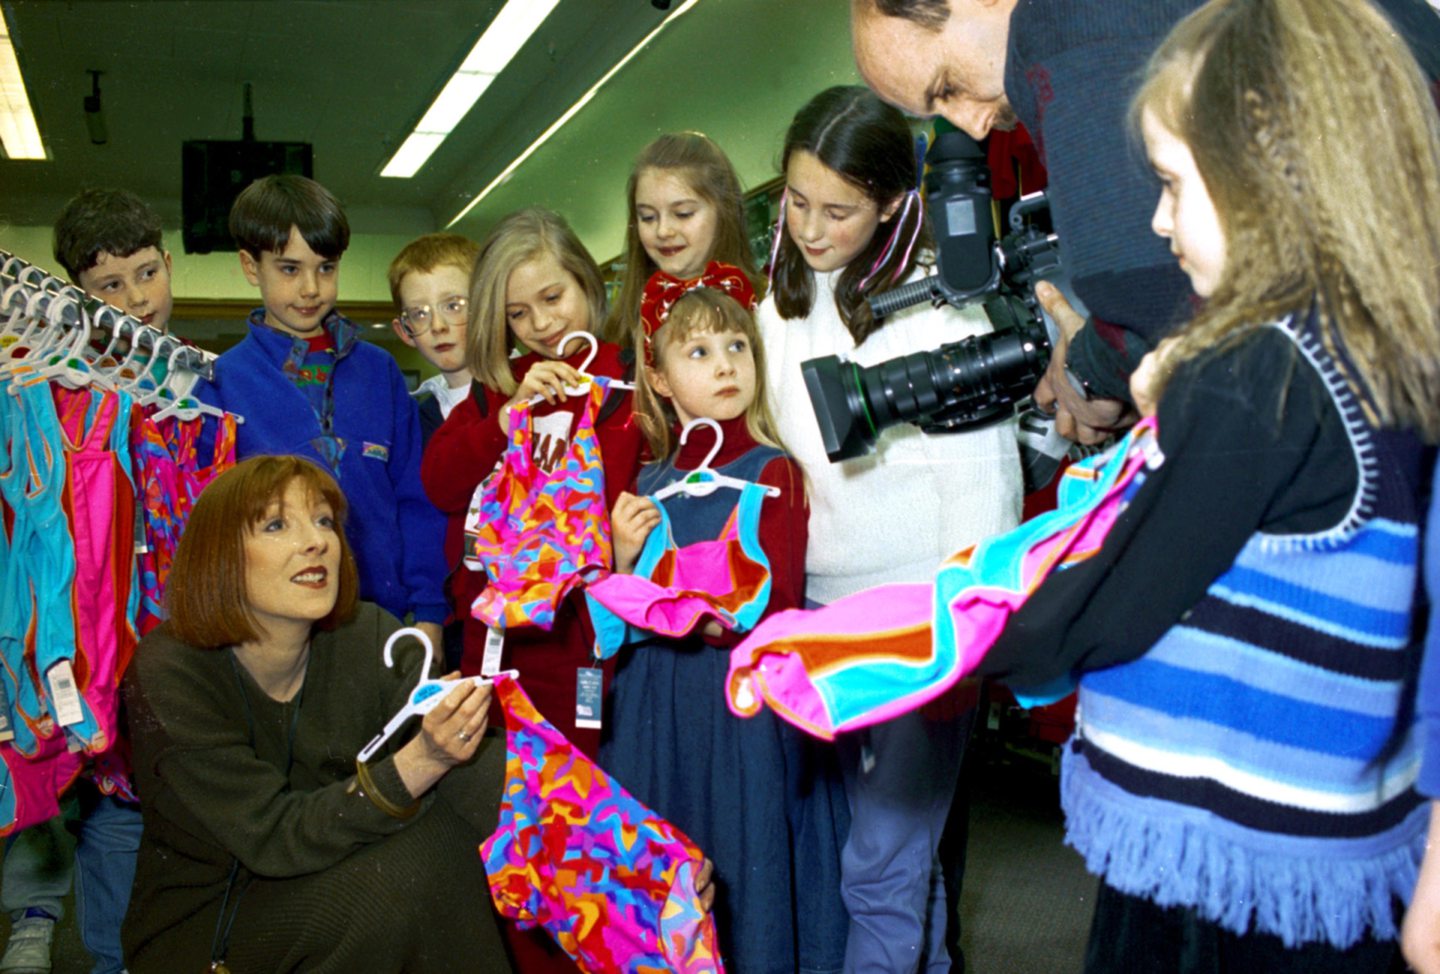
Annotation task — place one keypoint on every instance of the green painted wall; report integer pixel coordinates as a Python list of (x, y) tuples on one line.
[(218, 277)]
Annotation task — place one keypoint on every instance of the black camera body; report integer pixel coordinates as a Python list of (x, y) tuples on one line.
[(967, 383)]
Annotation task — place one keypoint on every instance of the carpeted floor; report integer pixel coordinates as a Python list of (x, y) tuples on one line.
[(1025, 906)]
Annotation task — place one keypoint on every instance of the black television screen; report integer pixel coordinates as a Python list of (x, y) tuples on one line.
[(212, 174)]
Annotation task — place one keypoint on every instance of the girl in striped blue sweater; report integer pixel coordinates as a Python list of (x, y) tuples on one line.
[(1242, 773)]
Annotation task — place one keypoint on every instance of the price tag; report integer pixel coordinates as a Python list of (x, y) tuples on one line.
[(7, 733), (142, 544), (494, 645), (64, 695), (588, 681)]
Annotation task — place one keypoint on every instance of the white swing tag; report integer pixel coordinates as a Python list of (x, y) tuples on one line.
[(494, 645), (588, 696), (64, 694), (142, 544), (7, 733)]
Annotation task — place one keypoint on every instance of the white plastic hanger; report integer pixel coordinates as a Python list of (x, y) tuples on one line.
[(10, 299), (584, 369), (182, 407), (162, 393), (119, 324), (36, 337), (188, 407), (427, 693), (67, 365), (139, 372), (703, 480)]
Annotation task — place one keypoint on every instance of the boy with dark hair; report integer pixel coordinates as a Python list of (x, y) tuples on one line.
[(430, 283), (307, 385), (109, 242)]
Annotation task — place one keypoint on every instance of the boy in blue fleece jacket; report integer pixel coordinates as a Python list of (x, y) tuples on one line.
[(307, 385)]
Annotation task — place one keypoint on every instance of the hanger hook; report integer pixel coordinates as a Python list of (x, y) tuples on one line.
[(590, 340), (32, 305), (424, 641), (55, 314), (9, 296), (719, 438), (174, 357)]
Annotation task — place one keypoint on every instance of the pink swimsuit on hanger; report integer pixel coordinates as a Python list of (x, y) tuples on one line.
[(675, 588), (102, 511)]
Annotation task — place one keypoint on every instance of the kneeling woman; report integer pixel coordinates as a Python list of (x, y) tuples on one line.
[(266, 844)]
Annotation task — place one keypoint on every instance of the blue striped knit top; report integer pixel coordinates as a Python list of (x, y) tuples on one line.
[(1256, 764)]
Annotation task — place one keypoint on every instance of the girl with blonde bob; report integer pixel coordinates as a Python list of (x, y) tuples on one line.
[(701, 311), (1243, 773)]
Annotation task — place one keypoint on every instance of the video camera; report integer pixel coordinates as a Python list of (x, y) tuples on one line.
[(967, 383)]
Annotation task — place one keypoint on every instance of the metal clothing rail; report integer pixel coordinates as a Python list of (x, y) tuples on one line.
[(43, 288)]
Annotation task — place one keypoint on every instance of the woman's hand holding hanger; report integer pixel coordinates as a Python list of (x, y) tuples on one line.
[(449, 735)]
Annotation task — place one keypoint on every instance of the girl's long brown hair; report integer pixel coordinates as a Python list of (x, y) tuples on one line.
[(868, 144), (706, 169), (1315, 132)]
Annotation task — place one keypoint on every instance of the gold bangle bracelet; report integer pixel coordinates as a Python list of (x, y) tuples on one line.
[(367, 788)]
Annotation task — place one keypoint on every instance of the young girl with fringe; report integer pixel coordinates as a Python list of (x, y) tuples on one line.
[(533, 285), (742, 789), (685, 209), (852, 227), (1242, 774)]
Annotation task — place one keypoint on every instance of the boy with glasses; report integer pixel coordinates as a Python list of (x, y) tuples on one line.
[(429, 281)]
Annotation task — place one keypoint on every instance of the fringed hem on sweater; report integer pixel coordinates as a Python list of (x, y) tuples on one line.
[(1173, 862)]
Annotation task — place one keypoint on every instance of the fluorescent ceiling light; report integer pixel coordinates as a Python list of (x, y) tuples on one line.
[(501, 41), (18, 131), (570, 112)]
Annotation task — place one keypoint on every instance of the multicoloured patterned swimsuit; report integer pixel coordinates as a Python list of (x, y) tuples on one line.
[(536, 532), (574, 853), (170, 476)]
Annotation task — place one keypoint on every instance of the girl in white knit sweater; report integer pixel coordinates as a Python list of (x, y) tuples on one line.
[(851, 226)]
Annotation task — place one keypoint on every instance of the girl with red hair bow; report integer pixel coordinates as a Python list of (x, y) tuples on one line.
[(733, 785)]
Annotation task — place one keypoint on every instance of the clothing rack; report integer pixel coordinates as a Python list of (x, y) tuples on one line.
[(36, 283)]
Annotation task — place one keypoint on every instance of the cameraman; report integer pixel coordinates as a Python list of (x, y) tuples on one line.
[(1067, 70)]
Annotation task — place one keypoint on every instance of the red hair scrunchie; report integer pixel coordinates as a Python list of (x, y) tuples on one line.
[(663, 290)]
